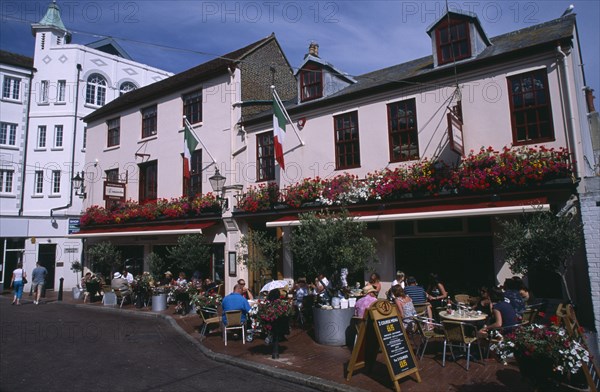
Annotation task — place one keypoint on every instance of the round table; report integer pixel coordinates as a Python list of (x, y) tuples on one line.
[(466, 318)]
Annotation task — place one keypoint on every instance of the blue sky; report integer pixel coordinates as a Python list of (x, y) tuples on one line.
[(356, 36)]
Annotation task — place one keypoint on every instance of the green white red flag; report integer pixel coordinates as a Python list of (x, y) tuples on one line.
[(189, 145), (279, 121)]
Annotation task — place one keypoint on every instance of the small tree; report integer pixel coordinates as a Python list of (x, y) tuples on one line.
[(105, 257), (327, 242), (157, 265), (76, 267), (191, 253), (541, 241), (257, 251)]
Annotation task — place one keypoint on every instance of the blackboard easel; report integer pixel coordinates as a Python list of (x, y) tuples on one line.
[(383, 328)]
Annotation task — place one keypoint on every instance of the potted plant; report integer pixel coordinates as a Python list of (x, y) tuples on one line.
[(76, 267), (325, 243), (541, 241), (546, 355)]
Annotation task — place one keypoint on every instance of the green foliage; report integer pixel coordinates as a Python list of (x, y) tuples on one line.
[(191, 253), (262, 251), (157, 265), (540, 241), (327, 242), (76, 267), (105, 257)]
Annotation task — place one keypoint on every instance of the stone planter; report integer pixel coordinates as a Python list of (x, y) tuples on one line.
[(159, 302), (331, 325)]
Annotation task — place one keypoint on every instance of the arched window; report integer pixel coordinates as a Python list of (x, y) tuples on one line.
[(95, 93), (126, 87)]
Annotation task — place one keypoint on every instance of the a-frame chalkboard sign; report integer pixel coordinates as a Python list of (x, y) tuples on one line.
[(383, 328)]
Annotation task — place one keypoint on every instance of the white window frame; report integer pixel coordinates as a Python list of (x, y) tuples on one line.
[(41, 137), (44, 91), (55, 182), (38, 185), (61, 90), (11, 88), (58, 136), (6, 181), (95, 91), (8, 134)]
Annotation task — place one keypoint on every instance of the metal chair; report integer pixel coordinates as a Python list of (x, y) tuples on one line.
[(457, 336), (234, 321), (121, 297), (426, 329), (529, 315), (207, 322), (421, 308)]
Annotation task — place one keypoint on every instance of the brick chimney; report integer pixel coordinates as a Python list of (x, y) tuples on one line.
[(313, 49)]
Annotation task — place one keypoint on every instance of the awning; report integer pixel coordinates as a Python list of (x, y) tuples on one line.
[(432, 212), (188, 228)]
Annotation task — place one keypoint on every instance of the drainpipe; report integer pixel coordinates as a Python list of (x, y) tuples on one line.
[(24, 166), (571, 117), (74, 144)]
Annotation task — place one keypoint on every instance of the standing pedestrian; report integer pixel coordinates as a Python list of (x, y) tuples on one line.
[(38, 280), (17, 283)]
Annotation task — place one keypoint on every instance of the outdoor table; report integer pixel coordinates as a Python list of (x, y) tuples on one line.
[(467, 317)]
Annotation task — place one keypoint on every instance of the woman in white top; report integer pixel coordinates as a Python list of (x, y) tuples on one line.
[(17, 282)]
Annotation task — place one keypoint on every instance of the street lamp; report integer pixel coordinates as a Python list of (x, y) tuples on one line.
[(78, 185)]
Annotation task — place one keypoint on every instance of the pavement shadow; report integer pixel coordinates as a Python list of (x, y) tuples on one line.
[(507, 380)]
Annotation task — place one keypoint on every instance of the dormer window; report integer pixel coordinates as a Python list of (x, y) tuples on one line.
[(453, 41), (311, 83)]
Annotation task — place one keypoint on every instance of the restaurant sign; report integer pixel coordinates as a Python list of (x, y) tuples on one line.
[(114, 191)]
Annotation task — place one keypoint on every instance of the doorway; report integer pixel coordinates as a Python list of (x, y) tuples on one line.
[(463, 263), (47, 258)]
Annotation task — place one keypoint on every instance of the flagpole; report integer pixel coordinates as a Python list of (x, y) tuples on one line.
[(285, 113), (187, 123)]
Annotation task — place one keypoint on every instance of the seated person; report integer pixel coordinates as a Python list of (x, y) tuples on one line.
[(406, 309), (120, 283), (167, 280), (181, 280), (512, 294), (417, 294), (301, 291), (504, 315), (370, 296), (235, 301), (128, 276), (246, 293)]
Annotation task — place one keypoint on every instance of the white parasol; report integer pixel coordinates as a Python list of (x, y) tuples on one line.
[(276, 284)]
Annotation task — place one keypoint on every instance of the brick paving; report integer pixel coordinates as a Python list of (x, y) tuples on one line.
[(300, 353)]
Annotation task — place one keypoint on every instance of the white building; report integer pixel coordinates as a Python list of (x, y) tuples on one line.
[(69, 82)]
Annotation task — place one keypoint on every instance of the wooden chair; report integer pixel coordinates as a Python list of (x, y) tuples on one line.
[(427, 330), (462, 298), (460, 335), (207, 322), (234, 321), (122, 296)]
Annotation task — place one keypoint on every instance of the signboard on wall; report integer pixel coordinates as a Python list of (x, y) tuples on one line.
[(73, 225), (114, 191)]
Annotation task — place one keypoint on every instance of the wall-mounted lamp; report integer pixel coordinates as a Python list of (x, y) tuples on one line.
[(78, 181), (217, 182)]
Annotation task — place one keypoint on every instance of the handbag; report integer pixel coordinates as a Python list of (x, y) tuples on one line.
[(24, 280)]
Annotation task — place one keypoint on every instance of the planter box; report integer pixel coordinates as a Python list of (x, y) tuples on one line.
[(331, 326)]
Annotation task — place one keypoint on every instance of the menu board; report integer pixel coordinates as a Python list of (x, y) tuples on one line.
[(394, 345), (383, 328)]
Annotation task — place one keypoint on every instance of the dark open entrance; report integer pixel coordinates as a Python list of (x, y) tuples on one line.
[(47, 258), (463, 263)]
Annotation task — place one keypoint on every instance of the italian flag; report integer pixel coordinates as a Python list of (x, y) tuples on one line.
[(278, 130), (189, 145)]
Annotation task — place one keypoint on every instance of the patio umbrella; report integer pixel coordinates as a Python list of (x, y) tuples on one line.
[(276, 284)]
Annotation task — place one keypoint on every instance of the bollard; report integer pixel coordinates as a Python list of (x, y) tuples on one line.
[(60, 289)]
